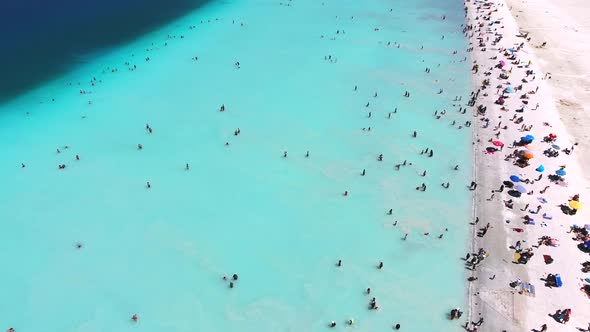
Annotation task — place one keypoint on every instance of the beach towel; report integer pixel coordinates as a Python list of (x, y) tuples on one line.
[(527, 289)]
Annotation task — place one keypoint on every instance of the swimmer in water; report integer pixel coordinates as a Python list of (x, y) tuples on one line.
[(134, 318)]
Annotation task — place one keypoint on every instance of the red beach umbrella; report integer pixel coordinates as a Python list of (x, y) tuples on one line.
[(498, 143)]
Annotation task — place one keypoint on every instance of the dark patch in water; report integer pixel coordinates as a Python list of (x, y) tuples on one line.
[(43, 38)]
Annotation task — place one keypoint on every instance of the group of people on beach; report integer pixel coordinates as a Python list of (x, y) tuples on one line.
[(485, 29)]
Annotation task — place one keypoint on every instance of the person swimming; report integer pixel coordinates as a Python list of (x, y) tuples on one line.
[(134, 318)]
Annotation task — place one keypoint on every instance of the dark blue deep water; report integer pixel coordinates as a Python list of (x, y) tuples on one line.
[(42, 38)]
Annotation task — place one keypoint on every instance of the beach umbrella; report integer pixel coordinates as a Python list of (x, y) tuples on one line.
[(558, 280), (527, 155), (520, 189), (517, 257), (514, 178), (556, 147), (541, 168), (529, 137), (509, 90), (502, 63), (575, 205), (560, 172), (498, 143), (548, 259)]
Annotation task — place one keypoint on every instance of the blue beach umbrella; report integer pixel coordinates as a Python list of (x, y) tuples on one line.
[(560, 172), (514, 178), (509, 90), (529, 137), (541, 168), (520, 189)]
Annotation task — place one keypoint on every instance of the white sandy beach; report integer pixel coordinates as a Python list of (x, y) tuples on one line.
[(501, 306)]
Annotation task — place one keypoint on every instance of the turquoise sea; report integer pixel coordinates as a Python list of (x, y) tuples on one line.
[(280, 223)]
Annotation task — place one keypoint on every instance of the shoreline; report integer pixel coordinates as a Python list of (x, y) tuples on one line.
[(501, 306)]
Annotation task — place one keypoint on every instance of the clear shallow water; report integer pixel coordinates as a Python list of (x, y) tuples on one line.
[(281, 224)]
